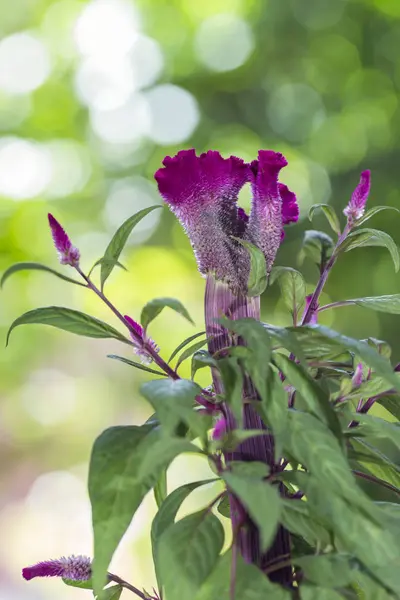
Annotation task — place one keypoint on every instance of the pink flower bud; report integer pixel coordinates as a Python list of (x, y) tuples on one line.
[(219, 429), (140, 340), (356, 207), (67, 253), (77, 568), (357, 378)]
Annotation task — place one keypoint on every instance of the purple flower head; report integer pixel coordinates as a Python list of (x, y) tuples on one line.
[(273, 206), (313, 319), (140, 340), (356, 207), (357, 378), (219, 429), (202, 191), (67, 253), (77, 568)]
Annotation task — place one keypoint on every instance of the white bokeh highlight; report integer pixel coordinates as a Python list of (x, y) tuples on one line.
[(25, 168), (24, 63), (174, 114), (224, 42), (124, 124), (70, 168)]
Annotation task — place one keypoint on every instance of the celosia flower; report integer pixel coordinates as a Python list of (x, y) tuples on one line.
[(77, 568), (356, 207), (219, 429), (203, 190), (357, 378), (273, 206), (67, 253), (140, 340)]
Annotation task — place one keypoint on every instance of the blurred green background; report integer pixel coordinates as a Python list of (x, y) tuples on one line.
[(92, 96)]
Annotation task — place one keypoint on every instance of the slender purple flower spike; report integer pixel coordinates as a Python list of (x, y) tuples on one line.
[(220, 428), (67, 253), (77, 568), (357, 378), (140, 341), (202, 191), (273, 206), (356, 207)]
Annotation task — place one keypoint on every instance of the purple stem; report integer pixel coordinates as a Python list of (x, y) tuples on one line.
[(220, 301), (127, 586), (381, 482), (336, 305)]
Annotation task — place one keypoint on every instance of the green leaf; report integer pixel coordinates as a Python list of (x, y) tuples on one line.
[(189, 352), (287, 340), (391, 404), (111, 593), (316, 399), (167, 514), (137, 365), (374, 461), (329, 213), (371, 237), (329, 570), (113, 263), (201, 359), (185, 343), (154, 307), (322, 339), (160, 489), (298, 519), (115, 247), (232, 378), (369, 589), (257, 281), (312, 592), (292, 285), (224, 508), (68, 320), (33, 266), (232, 439), (256, 469), (371, 212), (273, 409), (261, 500), (376, 428), (317, 246), (187, 553), (250, 583), (126, 462), (83, 585), (173, 401), (387, 304)]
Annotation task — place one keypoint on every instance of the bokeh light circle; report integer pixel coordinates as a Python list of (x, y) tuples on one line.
[(224, 42), (24, 63), (25, 168), (125, 124)]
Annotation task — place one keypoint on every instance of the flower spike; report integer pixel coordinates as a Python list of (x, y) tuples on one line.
[(76, 568), (356, 207), (202, 191), (67, 253), (273, 206), (140, 340)]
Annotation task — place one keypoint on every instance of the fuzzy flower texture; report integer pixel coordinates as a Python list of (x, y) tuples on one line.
[(203, 191), (76, 568)]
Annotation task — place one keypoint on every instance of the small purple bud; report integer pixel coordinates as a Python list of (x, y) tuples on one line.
[(357, 378), (140, 340), (76, 568), (219, 429), (397, 367), (273, 206), (356, 207), (67, 253)]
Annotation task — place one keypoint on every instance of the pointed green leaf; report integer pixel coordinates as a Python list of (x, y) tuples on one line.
[(374, 461), (224, 507), (260, 499), (373, 211), (298, 519), (68, 320), (313, 592), (126, 462), (32, 266), (160, 489), (273, 409), (167, 513), (329, 213), (137, 365), (250, 583), (112, 263), (285, 338), (257, 281), (154, 307), (376, 428), (330, 570), (388, 304), (185, 343), (188, 352), (391, 404), (83, 585), (115, 247), (232, 378), (292, 285), (187, 553), (201, 359), (111, 593), (317, 246), (371, 237)]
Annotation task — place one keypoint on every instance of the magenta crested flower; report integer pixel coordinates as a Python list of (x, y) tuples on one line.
[(77, 568), (140, 341), (356, 207), (67, 253), (273, 206), (202, 191)]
